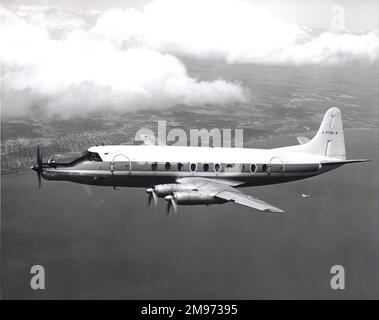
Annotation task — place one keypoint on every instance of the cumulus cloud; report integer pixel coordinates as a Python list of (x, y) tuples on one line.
[(236, 31), (53, 62), (64, 61)]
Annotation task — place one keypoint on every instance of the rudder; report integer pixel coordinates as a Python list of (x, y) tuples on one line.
[(329, 139)]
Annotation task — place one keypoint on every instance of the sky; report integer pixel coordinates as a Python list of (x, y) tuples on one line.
[(361, 16), (75, 57)]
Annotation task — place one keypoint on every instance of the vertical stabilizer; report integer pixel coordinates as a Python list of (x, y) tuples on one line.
[(329, 140)]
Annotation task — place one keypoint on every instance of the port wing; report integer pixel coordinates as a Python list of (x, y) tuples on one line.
[(224, 190)]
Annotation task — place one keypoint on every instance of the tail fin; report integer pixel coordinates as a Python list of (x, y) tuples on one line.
[(329, 139)]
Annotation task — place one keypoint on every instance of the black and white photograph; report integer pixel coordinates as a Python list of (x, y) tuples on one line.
[(208, 150)]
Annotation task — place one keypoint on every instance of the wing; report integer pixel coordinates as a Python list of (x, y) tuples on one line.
[(224, 189), (248, 201)]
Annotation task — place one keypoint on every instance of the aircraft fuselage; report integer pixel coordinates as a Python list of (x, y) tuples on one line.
[(144, 166)]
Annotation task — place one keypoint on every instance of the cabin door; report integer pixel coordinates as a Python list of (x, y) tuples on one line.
[(121, 165), (276, 165)]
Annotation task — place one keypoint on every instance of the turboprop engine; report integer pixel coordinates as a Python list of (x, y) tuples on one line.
[(162, 190), (189, 198), (193, 198)]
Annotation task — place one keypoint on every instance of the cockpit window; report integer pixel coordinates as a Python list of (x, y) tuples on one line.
[(87, 156), (91, 156)]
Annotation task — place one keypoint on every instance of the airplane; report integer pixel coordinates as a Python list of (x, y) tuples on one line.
[(204, 175)]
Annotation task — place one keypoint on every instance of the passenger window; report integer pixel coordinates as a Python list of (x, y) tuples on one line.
[(217, 167), (167, 166), (180, 166), (206, 167), (264, 167), (193, 167), (154, 166)]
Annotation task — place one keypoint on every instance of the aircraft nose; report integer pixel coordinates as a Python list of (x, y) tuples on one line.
[(34, 168)]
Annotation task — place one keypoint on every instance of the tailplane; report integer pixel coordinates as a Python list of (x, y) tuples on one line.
[(329, 140)]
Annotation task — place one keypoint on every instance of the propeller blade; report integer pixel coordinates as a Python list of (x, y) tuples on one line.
[(155, 198), (39, 158), (152, 200), (172, 207), (169, 209), (38, 167), (39, 179)]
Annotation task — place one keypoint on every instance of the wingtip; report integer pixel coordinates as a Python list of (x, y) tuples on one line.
[(276, 210)]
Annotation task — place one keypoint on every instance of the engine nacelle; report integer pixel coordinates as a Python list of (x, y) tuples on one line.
[(162, 190), (195, 197)]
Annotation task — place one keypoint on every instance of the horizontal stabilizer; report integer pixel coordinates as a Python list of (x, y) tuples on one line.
[(302, 140), (326, 162)]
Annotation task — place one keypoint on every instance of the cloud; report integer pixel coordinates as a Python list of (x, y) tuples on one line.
[(236, 31), (54, 63), (73, 62)]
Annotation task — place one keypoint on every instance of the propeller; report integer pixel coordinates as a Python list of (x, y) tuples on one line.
[(172, 206), (38, 167), (153, 198)]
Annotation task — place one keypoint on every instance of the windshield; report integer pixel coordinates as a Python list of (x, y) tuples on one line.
[(87, 156), (91, 156)]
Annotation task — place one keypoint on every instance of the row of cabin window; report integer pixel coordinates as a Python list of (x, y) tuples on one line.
[(216, 167)]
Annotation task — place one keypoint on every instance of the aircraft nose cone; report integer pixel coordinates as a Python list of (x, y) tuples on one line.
[(36, 168)]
